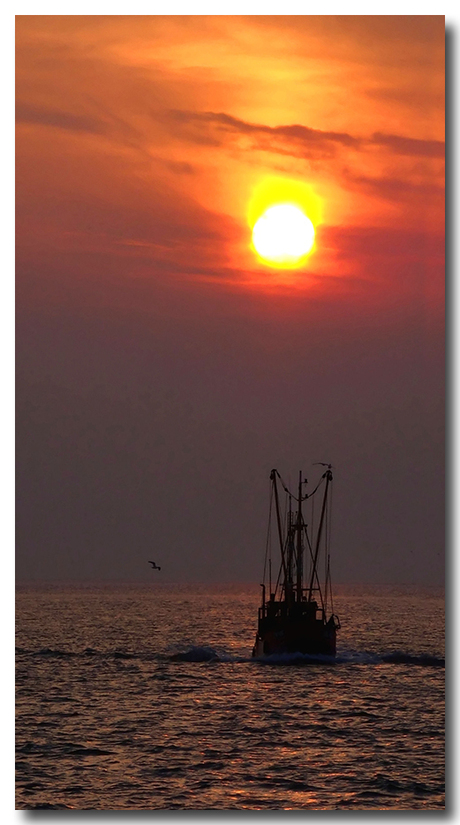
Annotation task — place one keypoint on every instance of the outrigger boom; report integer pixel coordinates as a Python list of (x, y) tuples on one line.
[(297, 618)]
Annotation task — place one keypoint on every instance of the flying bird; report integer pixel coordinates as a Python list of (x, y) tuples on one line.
[(154, 566)]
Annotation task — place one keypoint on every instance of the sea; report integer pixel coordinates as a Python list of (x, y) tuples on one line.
[(146, 697)]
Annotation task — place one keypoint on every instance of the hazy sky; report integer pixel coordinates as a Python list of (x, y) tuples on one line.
[(162, 369)]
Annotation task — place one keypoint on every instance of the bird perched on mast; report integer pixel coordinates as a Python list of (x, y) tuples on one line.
[(154, 566)]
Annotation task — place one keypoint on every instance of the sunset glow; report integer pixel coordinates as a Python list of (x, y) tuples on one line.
[(229, 255), (244, 114)]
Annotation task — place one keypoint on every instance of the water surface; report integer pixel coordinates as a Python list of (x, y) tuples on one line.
[(132, 697)]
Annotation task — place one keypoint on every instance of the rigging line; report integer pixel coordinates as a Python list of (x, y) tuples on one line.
[(326, 544), (308, 542), (309, 495), (268, 531), (284, 520), (273, 476), (278, 581), (330, 587), (331, 488), (284, 486), (312, 510), (284, 511), (328, 477), (323, 601), (316, 576), (328, 581), (287, 490), (320, 591), (289, 537)]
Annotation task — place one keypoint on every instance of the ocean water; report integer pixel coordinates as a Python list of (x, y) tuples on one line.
[(146, 697)]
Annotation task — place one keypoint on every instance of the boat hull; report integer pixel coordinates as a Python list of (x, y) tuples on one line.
[(318, 639)]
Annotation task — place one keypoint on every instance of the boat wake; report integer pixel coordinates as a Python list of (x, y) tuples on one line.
[(425, 660), (208, 654), (196, 654), (396, 657)]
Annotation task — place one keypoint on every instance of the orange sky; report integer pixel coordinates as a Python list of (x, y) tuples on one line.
[(145, 136), (157, 354)]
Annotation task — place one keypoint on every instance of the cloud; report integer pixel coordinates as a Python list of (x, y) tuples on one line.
[(179, 167), (393, 188), (106, 124), (297, 139), (27, 113), (386, 242), (410, 146)]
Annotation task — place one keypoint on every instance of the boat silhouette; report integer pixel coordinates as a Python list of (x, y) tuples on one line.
[(298, 616)]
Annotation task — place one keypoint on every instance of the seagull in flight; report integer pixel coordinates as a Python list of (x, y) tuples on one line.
[(154, 566)]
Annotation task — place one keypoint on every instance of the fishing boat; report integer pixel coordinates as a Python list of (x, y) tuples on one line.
[(298, 615)]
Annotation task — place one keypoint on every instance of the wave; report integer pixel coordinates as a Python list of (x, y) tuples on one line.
[(202, 654), (396, 657), (47, 806), (207, 653), (49, 651), (87, 652), (195, 654), (63, 750), (424, 660)]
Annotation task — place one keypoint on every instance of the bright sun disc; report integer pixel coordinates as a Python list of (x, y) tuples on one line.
[(283, 235)]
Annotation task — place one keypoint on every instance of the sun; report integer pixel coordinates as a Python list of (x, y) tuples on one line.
[(283, 214), (283, 236)]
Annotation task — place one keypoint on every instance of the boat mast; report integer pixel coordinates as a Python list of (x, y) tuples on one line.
[(328, 476), (290, 554), (280, 529), (299, 543)]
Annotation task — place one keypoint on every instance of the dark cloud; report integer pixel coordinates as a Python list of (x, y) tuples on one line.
[(302, 140), (27, 113), (410, 146), (105, 123), (393, 188), (296, 139), (382, 241), (180, 167)]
